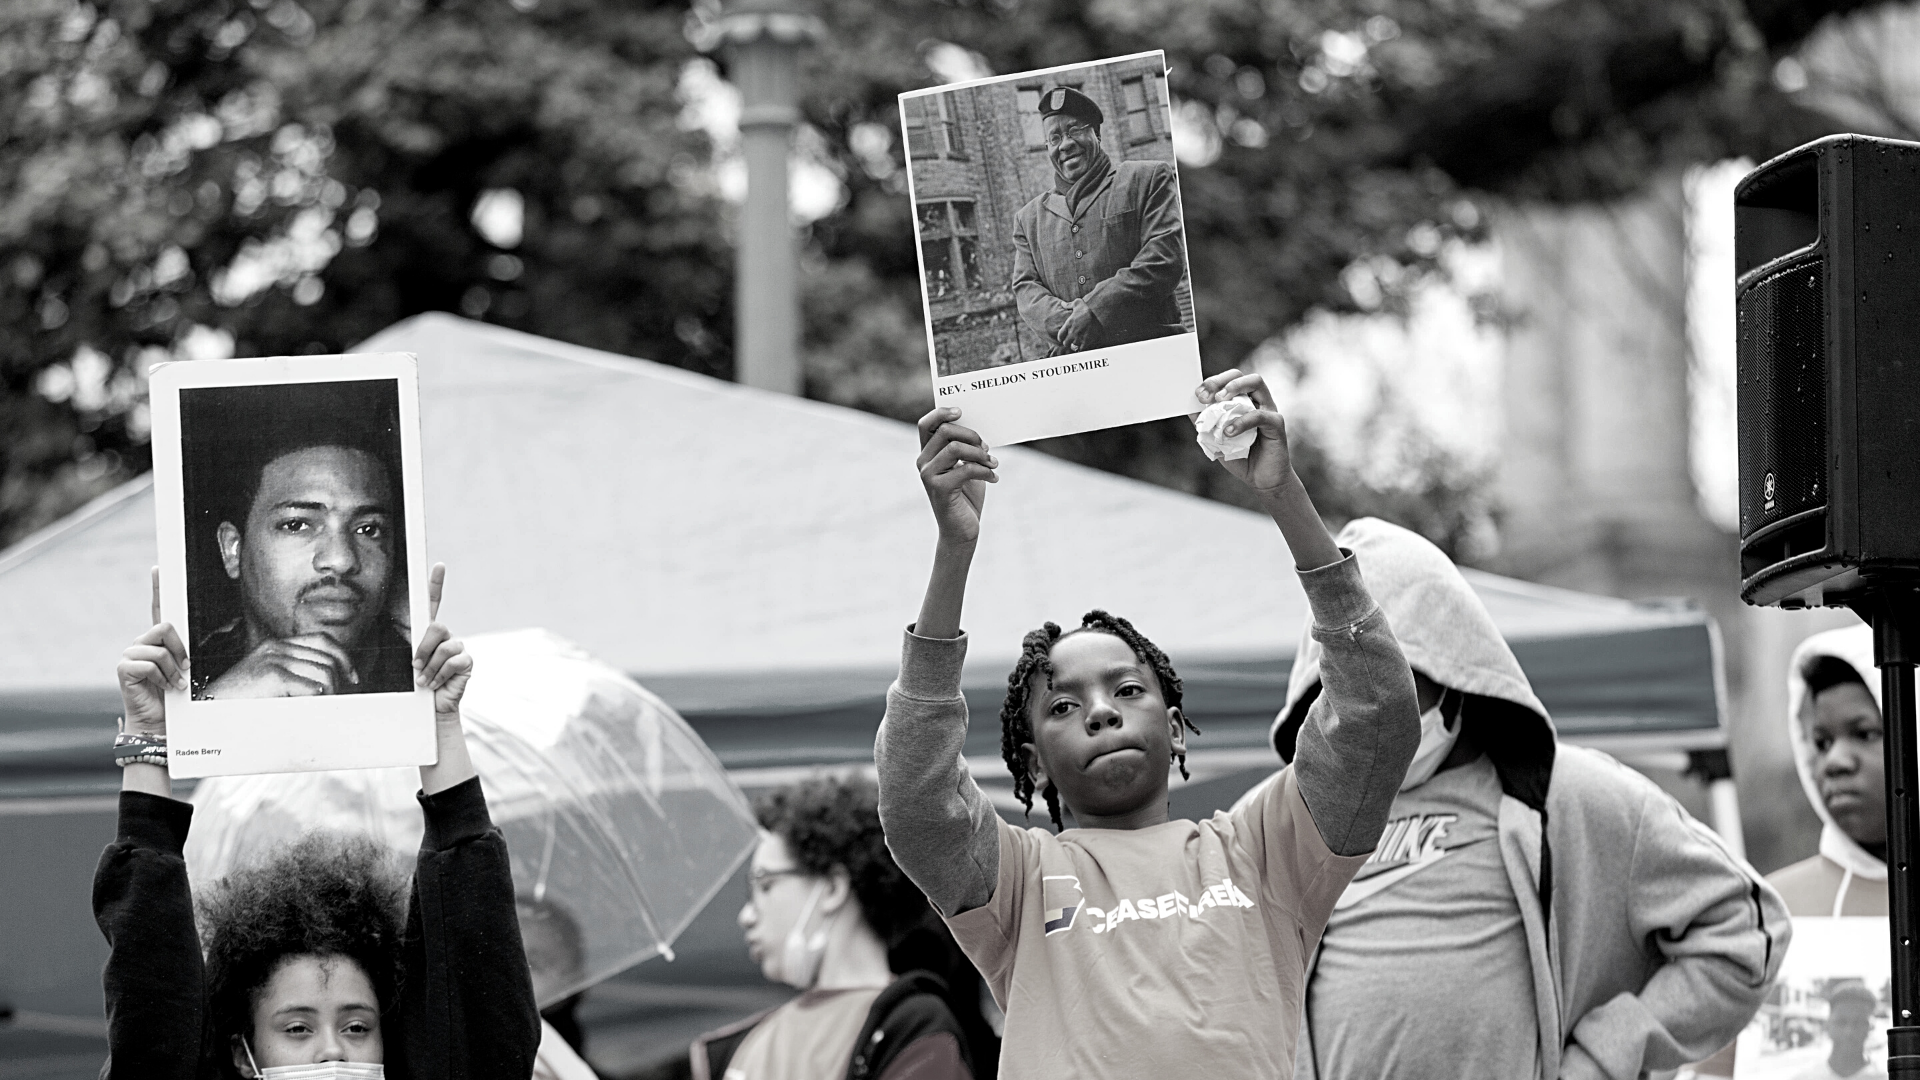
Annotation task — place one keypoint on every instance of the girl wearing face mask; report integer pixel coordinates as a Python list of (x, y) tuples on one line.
[(323, 963), (829, 914)]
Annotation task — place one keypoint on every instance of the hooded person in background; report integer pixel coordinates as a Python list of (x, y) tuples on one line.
[(1520, 878), (1833, 725), (1097, 259)]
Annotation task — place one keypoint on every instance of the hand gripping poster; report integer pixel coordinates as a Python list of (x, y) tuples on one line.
[(1053, 255), (290, 517)]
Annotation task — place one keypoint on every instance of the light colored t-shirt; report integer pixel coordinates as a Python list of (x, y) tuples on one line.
[(1424, 947), (808, 1038), (1176, 950)]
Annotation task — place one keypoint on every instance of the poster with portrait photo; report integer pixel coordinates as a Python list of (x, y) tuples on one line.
[(1053, 253), (288, 505), (1828, 1013)]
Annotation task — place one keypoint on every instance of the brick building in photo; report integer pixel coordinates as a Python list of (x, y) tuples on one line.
[(977, 156)]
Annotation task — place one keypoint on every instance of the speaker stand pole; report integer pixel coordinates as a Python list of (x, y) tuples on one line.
[(1893, 608)]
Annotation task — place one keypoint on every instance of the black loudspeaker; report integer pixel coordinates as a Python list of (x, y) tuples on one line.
[(1827, 257)]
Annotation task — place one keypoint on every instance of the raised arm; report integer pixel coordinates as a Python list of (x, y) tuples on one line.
[(154, 982), (467, 997), (1361, 734), (938, 825)]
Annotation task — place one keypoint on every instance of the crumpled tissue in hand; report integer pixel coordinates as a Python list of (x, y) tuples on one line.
[(1211, 424)]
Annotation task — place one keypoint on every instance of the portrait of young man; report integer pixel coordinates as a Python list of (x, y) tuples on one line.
[(297, 577), (1097, 259)]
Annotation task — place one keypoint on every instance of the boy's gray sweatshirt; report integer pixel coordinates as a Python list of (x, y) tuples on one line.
[(1360, 736)]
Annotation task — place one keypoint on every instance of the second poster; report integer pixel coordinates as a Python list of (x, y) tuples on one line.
[(1052, 248)]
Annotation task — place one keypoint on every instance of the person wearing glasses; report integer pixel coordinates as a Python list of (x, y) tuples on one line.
[(1097, 259), (830, 914)]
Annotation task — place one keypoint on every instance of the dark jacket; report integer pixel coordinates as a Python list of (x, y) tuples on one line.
[(910, 1011), (1123, 254), (465, 1010)]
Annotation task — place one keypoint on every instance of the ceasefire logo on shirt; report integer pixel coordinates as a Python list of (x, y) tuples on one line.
[(1165, 906), (1060, 898)]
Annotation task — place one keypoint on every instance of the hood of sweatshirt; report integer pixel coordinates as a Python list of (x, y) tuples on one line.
[(1448, 636), (1854, 645)]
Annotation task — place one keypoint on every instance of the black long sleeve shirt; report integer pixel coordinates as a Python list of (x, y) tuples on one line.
[(466, 1008)]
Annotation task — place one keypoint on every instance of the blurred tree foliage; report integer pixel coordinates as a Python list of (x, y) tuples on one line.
[(273, 176), (189, 177)]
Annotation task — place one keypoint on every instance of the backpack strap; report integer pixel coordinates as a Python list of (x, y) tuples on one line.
[(911, 1007)]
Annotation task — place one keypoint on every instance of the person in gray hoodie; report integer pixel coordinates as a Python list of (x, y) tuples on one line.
[(1533, 909)]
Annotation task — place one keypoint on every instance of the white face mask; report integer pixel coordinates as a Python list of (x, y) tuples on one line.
[(1437, 737), (801, 953), (319, 1070)]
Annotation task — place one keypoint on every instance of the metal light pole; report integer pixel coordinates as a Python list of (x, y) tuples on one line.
[(762, 39)]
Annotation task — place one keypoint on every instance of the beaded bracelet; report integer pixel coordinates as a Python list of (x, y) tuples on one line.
[(131, 748)]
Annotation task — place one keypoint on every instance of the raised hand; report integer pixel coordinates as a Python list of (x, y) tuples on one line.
[(155, 663), (1269, 465), (308, 665), (1268, 468), (441, 663), (955, 468)]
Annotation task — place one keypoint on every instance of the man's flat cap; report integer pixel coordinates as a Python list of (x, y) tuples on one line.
[(1065, 99)]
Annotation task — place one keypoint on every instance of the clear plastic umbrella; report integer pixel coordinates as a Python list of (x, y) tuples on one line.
[(620, 823)]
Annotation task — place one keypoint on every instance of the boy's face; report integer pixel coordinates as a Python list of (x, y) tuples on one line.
[(1849, 763), (1102, 733), (1849, 1024)]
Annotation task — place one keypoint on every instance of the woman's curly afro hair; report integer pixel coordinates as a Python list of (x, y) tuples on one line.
[(834, 821), (327, 896), (1036, 655)]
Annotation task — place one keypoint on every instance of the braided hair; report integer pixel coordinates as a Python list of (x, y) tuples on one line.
[(1036, 655)]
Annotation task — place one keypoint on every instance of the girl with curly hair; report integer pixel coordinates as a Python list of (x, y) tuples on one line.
[(1134, 945), (324, 962)]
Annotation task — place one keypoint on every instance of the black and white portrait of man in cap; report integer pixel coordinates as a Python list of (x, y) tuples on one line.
[(1097, 259)]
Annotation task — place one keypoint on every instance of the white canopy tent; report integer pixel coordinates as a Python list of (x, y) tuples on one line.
[(752, 558)]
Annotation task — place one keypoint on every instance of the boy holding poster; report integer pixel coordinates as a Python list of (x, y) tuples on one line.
[(1134, 945)]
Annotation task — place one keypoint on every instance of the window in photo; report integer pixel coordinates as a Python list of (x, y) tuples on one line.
[(949, 244), (1029, 99), (1143, 97), (933, 128)]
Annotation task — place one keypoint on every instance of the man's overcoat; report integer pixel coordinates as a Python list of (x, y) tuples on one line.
[(1123, 254)]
